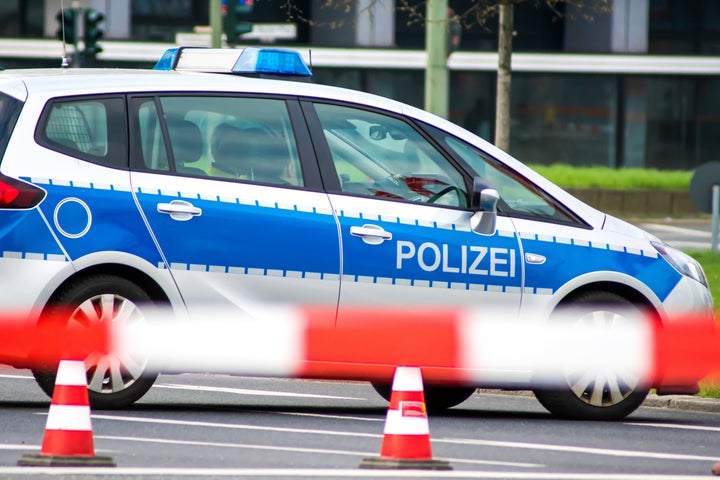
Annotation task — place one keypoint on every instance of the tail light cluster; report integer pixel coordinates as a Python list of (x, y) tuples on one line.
[(16, 194)]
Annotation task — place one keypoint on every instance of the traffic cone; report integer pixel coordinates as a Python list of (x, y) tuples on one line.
[(68, 439), (406, 441)]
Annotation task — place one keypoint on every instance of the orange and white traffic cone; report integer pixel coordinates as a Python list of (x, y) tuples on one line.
[(68, 439), (406, 442)]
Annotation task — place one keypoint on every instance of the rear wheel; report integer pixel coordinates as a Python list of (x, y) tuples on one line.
[(113, 381), (437, 398), (603, 394)]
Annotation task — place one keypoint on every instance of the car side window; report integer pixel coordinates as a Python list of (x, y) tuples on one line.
[(382, 156), (89, 128), (236, 138)]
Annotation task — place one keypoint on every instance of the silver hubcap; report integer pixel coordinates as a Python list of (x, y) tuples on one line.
[(109, 373), (603, 385)]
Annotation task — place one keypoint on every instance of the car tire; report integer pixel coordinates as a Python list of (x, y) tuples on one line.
[(113, 382), (437, 399), (609, 400)]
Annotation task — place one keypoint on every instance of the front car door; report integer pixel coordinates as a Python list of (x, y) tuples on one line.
[(402, 207)]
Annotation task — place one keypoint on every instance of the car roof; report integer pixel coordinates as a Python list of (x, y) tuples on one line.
[(75, 81), (48, 83)]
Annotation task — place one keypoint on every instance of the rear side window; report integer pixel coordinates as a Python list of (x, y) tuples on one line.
[(88, 128), (9, 111), (244, 139)]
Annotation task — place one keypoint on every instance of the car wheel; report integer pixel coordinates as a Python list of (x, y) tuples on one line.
[(597, 395), (113, 381), (437, 399)]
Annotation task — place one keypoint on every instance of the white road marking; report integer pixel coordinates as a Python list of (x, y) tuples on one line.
[(23, 446), (691, 232), (675, 425), (234, 426), (323, 473), (468, 441), (303, 450), (22, 377), (244, 391), (322, 415), (585, 450)]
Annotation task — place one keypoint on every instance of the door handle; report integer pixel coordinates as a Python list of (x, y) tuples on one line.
[(179, 210), (371, 234)]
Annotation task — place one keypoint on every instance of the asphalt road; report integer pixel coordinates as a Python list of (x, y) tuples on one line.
[(201, 426)]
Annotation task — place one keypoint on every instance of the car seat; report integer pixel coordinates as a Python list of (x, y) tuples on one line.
[(253, 153), (187, 145)]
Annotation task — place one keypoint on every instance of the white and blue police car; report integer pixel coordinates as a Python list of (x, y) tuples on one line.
[(182, 187)]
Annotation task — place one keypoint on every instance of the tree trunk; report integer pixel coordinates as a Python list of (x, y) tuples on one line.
[(502, 111), (436, 72)]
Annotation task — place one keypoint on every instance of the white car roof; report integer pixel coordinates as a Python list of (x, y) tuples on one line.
[(73, 81)]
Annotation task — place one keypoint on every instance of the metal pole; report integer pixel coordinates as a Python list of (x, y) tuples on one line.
[(215, 23), (436, 72), (715, 208)]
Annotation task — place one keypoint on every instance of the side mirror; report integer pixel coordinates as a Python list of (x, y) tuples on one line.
[(484, 201)]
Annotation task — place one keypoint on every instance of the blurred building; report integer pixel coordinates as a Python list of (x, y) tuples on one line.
[(637, 87)]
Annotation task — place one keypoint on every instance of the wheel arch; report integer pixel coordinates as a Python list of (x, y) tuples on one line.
[(142, 279), (628, 292)]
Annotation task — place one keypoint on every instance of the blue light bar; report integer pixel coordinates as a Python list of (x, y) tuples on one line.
[(271, 61), (167, 61)]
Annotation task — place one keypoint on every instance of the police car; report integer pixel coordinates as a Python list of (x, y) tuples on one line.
[(184, 187)]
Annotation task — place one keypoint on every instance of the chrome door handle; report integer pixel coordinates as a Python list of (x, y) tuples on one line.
[(179, 210), (371, 234)]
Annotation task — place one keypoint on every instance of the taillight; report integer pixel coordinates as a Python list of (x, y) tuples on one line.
[(16, 194)]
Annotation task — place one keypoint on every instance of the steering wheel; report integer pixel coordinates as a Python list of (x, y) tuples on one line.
[(437, 196)]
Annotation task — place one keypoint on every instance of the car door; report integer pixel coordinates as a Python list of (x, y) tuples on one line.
[(402, 206), (557, 245), (227, 190)]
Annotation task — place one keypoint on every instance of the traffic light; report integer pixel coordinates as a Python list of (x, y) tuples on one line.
[(67, 25), (233, 24), (92, 32)]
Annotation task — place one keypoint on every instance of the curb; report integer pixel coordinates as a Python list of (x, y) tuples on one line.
[(689, 403), (683, 402)]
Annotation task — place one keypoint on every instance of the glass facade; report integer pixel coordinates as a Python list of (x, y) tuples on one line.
[(21, 18), (659, 121), (687, 27)]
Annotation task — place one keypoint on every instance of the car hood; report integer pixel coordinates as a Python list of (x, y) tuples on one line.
[(616, 225)]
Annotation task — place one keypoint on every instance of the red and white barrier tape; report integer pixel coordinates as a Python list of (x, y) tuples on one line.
[(464, 346)]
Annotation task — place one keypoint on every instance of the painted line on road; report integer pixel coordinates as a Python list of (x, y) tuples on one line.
[(689, 245), (489, 443), (675, 425), (322, 415), (33, 472), (235, 426), (22, 377), (23, 446), (244, 391), (321, 451), (585, 450), (691, 232)]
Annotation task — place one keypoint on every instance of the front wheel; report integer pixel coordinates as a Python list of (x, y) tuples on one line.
[(437, 399), (113, 381), (602, 394)]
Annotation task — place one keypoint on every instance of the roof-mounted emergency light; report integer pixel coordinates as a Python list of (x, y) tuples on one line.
[(248, 61)]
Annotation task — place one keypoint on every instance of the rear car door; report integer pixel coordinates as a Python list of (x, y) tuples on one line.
[(227, 184)]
